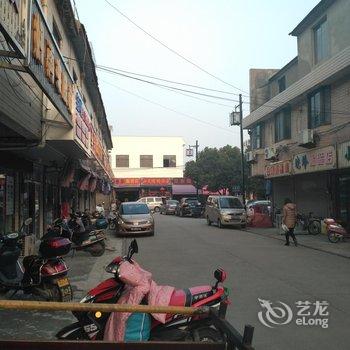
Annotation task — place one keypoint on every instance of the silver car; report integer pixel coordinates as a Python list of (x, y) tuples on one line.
[(225, 211)]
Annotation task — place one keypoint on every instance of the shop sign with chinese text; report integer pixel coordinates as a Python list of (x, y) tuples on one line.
[(182, 181), (344, 155), (82, 121), (152, 181), (126, 182), (315, 160), (47, 67), (278, 169)]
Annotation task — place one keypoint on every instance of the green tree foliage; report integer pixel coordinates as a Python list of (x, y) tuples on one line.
[(220, 168)]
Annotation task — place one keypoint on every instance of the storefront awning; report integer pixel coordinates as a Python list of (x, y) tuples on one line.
[(184, 189)]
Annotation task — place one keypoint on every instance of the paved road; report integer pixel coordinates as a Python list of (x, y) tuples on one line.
[(186, 251)]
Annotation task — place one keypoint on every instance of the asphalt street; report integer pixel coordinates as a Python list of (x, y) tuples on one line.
[(185, 252)]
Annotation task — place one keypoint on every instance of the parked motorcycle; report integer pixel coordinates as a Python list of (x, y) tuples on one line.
[(44, 275), (83, 238), (335, 231), (91, 325)]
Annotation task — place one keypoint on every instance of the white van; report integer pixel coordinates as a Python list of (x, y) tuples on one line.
[(225, 211), (153, 203)]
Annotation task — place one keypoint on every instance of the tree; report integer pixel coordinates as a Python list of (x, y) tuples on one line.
[(220, 169)]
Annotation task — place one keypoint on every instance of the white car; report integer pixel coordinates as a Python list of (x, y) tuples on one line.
[(153, 203)]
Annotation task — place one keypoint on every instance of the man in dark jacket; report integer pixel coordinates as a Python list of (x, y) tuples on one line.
[(290, 219)]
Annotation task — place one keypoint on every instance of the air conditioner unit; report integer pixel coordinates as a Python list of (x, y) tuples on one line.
[(270, 153), (306, 138), (251, 157)]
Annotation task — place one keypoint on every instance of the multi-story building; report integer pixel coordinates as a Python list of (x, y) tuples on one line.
[(299, 118), (54, 136), (146, 166)]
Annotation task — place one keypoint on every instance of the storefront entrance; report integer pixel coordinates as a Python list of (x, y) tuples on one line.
[(344, 198)]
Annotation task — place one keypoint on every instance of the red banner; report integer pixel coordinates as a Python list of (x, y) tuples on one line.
[(127, 182), (161, 181)]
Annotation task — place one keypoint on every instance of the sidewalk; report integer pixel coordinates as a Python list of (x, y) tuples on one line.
[(319, 242)]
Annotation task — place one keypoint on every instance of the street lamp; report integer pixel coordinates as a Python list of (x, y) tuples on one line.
[(236, 118), (189, 153)]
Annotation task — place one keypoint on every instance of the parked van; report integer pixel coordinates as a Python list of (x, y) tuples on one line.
[(153, 203), (225, 211)]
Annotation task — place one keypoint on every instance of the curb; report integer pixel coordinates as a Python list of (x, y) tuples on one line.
[(299, 244)]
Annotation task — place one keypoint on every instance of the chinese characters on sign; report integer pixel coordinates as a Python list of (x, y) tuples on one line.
[(275, 314), (127, 182), (151, 181), (155, 181), (315, 160), (83, 122), (278, 169), (47, 67), (182, 181)]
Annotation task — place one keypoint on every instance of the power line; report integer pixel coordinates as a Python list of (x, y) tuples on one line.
[(166, 80), (167, 86), (169, 109), (102, 67), (171, 50)]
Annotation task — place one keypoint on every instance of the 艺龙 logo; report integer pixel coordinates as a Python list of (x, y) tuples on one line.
[(272, 315)]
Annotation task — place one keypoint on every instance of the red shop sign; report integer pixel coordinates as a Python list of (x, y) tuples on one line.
[(158, 181), (282, 168)]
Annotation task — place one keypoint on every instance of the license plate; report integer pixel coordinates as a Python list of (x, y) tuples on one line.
[(136, 229), (62, 282)]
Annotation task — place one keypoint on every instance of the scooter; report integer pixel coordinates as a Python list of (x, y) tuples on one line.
[(43, 275), (91, 325), (335, 231), (84, 239)]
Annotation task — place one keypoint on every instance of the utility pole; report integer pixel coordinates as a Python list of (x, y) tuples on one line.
[(242, 151), (236, 118), (197, 145), (189, 152)]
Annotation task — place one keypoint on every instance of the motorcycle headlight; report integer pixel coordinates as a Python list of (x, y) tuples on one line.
[(120, 222)]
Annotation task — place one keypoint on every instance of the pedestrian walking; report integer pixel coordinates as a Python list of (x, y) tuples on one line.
[(290, 219)]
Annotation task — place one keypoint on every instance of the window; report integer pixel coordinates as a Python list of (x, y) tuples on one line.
[(283, 125), (146, 161), (321, 41), (320, 107), (257, 136), (281, 84), (122, 161), (169, 161), (56, 34), (150, 200)]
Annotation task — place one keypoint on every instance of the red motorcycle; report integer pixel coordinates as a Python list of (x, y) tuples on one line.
[(335, 231), (91, 325)]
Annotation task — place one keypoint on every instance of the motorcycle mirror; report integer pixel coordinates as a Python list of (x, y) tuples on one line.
[(28, 221), (134, 246), (220, 275)]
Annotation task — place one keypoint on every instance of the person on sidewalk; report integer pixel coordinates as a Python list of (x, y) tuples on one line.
[(290, 219)]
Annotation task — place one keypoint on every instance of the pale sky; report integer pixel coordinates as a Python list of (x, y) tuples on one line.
[(225, 37)]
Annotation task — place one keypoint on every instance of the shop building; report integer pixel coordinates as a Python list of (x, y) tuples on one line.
[(299, 118), (54, 135), (149, 166)]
